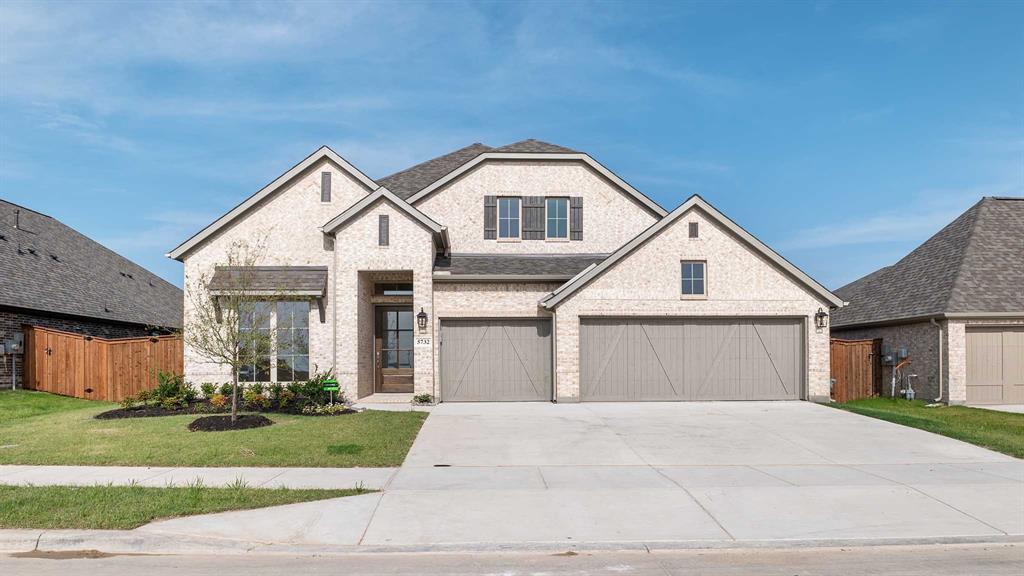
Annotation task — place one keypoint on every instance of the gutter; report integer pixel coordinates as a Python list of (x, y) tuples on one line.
[(449, 277), (929, 317)]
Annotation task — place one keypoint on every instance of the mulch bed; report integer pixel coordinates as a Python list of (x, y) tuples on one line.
[(221, 423), (146, 412)]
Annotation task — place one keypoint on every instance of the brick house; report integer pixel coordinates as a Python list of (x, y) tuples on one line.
[(52, 276), (954, 305), (524, 272)]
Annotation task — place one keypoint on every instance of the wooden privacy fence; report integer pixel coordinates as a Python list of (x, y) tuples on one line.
[(856, 369), (97, 368)]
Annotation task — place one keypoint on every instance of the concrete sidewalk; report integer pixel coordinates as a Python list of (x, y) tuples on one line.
[(340, 478)]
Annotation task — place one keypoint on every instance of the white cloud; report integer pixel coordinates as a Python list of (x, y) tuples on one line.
[(914, 218)]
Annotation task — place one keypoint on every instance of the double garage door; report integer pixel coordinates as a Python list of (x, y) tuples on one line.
[(691, 359), (626, 359), (995, 365)]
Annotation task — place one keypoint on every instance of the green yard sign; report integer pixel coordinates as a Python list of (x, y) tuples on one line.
[(330, 385)]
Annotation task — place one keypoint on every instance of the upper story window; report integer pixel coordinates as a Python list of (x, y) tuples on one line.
[(557, 210), (694, 280), (508, 217)]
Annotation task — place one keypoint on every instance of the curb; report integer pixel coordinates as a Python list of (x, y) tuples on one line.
[(130, 542)]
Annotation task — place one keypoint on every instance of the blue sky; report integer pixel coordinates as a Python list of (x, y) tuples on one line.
[(842, 134)]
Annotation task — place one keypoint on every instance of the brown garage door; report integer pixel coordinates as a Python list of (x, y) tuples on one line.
[(691, 359), (495, 360), (995, 365)]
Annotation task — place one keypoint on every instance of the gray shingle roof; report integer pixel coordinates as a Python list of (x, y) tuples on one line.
[(535, 147), (49, 267), (280, 279), (973, 265), (411, 180), (562, 265)]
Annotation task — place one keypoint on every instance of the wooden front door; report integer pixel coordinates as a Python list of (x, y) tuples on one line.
[(393, 349)]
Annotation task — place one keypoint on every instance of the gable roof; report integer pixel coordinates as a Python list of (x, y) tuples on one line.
[(50, 267), (384, 195), (558, 296), (407, 182), (321, 153), (521, 151), (973, 266)]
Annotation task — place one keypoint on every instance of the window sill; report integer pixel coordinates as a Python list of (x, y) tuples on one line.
[(510, 240), (556, 239), (693, 296)]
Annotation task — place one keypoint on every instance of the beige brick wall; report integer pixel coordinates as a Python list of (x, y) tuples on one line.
[(610, 216), (410, 251), (647, 283), (288, 224)]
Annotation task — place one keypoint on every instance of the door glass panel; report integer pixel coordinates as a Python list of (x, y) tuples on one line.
[(405, 320), (397, 339)]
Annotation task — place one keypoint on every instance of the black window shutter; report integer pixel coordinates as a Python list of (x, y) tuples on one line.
[(490, 217), (576, 218), (533, 218), (383, 231), (693, 230), (325, 186)]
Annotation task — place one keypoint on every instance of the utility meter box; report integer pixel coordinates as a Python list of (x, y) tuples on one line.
[(15, 344)]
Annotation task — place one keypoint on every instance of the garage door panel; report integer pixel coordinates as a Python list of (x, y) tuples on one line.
[(995, 365), (495, 360), (690, 359)]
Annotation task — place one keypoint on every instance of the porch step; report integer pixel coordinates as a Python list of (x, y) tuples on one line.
[(386, 398)]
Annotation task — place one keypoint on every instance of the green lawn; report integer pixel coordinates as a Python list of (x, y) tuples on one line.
[(40, 428), (126, 507), (999, 431)]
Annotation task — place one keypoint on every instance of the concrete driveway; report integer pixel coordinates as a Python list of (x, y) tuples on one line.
[(489, 474)]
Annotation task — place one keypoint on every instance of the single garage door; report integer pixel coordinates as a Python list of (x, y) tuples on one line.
[(495, 360), (995, 365), (691, 359)]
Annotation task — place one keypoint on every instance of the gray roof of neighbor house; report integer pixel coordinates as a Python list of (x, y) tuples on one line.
[(49, 267), (973, 266), (307, 280), (411, 180), (526, 266)]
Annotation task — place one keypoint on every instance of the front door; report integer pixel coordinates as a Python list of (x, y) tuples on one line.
[(393, 349)]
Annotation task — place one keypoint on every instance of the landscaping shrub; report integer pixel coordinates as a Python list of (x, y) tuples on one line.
[(169, 385), (423, 399), (225, 389), (208, 389), (256, 387), (219, 401), (325, 409), (254, 400)]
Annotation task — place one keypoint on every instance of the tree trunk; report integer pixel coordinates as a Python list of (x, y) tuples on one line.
[(234, 398)]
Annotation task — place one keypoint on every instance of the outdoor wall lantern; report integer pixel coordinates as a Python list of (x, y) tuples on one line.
[(421, 320), (821, 318)]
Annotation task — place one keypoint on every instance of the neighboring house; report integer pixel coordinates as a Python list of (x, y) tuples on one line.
[(525, 272), (956, 304), (52, 276)]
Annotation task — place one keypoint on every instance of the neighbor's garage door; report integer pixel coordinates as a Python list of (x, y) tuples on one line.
[(995, 365), (691, 359), (495, 360)]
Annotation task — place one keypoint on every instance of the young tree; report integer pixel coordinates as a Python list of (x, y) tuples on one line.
[(228, 323)]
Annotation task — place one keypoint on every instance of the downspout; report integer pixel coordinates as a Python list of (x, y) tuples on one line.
[(554, 356), (939, 326)]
